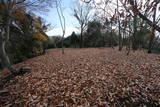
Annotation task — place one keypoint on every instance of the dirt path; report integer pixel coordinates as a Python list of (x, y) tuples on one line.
[(87, 78)]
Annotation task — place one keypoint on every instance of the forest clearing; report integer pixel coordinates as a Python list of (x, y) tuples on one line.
[(87, 77), (79, 53)]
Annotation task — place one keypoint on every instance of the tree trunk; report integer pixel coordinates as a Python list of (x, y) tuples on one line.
[(134, 40), (62, 43), (124, 36), (129, 39), (120, 38), (151, 41), (111, 37), (119, 27), (153, 31), (4, 37), (81, 38), (4, 58)]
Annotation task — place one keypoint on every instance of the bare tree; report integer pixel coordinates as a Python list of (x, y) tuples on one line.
[(153, 28), (82, 13), (119, 27), (144, 10), (129, 35), (139, 8), (62, 22)]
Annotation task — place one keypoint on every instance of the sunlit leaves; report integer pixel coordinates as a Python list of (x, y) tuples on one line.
[(40, 36)]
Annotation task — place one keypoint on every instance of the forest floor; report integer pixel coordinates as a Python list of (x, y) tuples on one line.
[(91, 77)]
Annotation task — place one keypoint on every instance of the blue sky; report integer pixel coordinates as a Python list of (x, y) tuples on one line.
[(71, 22)]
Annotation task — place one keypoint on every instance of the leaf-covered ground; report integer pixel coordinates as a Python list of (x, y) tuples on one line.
[(87, 78)]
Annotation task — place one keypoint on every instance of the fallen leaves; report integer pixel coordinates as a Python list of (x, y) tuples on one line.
[(87, 78)]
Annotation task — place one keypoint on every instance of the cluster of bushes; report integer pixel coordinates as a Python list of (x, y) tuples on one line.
[(20, 48), (27, 40)]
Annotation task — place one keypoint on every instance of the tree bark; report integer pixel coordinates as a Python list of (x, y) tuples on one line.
[(3, 56), (63, 42), (81, 38), (129, 39), (151, 41), (134, 41), (119, 28), (153, 31), (111, 37)]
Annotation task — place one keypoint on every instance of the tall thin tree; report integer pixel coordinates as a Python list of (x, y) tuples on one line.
[(82, 13), (62, 22)]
